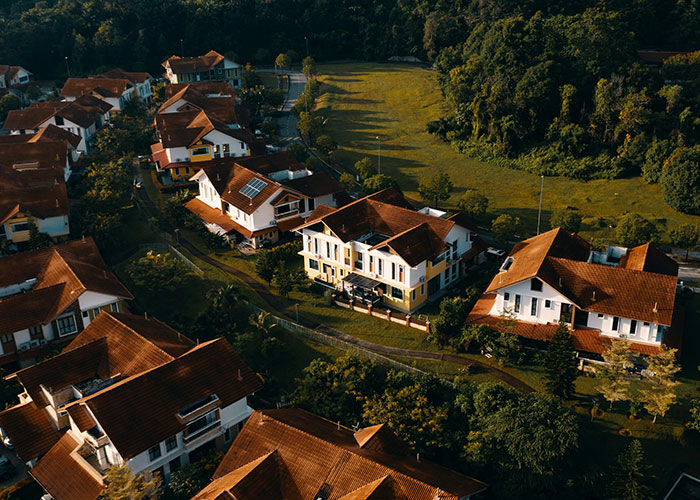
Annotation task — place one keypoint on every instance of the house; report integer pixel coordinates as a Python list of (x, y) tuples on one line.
[(141, 81), (187, 138), (13, 75), (47, 296), (601, 296), (114, 91), (33, 189), (221, 106), (256, 199), (60, 144), (379, 248), (212, 66), (83, 117), (290, 453), (209, 89), (128, 390)]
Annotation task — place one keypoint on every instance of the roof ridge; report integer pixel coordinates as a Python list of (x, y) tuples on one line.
[(111, 315), (618, 268), (44, 361)]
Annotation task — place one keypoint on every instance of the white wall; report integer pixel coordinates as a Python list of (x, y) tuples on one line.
[(544, 315), (54, 226)]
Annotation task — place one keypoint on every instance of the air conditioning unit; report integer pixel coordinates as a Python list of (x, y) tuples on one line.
[(623, 336), (422, 279), (24, 347)]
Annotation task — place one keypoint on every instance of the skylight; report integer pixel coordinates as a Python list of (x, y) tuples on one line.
[(253, 188)]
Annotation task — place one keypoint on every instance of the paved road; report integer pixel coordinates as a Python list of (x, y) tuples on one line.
[(19, 467), (287, 123)]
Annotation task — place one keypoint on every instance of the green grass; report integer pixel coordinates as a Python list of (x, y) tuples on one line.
[(395, 101)]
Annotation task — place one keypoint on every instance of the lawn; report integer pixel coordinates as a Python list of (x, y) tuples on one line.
[(395, 101)]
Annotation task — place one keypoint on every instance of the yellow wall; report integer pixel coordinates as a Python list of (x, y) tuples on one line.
[(180, 173), (200, 157), (431, 272), (18, 236)]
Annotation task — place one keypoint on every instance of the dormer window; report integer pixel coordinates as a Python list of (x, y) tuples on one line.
[(506, 265), (535, 285)]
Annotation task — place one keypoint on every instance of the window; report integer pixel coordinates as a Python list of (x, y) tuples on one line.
[(646, 323), (227, 435), (358, 262), (517, 304), (217, 149), (533, 307), (66, 325), (393, 271), (199, 151), (59, 120), (401, 274), (381, 266), (601, 315), (660, 332), (201, 422), (171, 443), (328, 250), (371, 263), (335, 252), (396, 293), (506, 296), (535, 285), (19, 227), (633, 327), (422, 290), (227, 149), (316, 246), (154, 452), (6, 339), (36, 332), (313, 264), (312, 204), (86, 314), (174, 464), (413, 294), (615, 323)]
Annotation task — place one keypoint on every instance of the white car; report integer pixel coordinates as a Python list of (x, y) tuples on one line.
[(5, 439), (495, 252)]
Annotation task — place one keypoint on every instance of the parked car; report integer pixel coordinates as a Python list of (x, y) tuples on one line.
[(5, 439), (7, 469), (495, 253)]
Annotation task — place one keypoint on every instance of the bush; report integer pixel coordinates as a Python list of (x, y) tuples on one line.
[(680, 180), (634, 230), (567, 219), (158, 271)]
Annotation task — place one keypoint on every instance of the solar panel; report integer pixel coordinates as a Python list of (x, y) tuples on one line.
[(253, 188)]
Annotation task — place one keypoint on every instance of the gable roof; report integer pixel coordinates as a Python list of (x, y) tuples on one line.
[(649, 258), (186, 128), (83, 111), (224, 108), (312, 454), (206, 88), (318, 184), (47, 133), (105, 87), (30, 428), (559, 259), (193, 64), (119, 73)]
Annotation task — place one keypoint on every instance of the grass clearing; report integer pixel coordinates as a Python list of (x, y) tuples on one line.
[(395, 101)]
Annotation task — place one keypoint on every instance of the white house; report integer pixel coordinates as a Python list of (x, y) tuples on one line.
[(380, 249), (212, 66), (114, 91), (141, 81), (216, 102), (136, 393), (258, 198), (83, 117), (49, 295), (557, 277), (13, 75)]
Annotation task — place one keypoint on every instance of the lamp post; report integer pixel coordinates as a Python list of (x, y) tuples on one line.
[(182, 48), (67, 68), (539, 212), (296, 307), (306, 39), (379, 155)]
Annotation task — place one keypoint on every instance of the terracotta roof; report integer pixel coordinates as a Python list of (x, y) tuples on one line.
[(584, 339), (151, 400), (85, 110), (206, 88), (649, 258), (213, 216), (464, 220), (105, 87), (53, 133), (194, 64), (380, 438), (65, 475), (285, 225), (82, 417), (376, 490), (118, 73), (32, 117), (29, 429), (318, 184), (560, 259), (19, 313), (186, 128), (312, 454), (478, 246), (258, 479), (224, 108), (269, 163)]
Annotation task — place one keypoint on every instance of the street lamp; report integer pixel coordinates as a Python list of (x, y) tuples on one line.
[(379, 155), (539, 213), (306, 39), (67, 68)]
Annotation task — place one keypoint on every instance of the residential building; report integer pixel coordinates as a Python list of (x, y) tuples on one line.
[(187, 138), (212, 66), (379, 248), (209, 89), (290, 453), (83, 117), (224, 107), (27, 155), (47, 296), (13, 75), (33, 189), (601, 296), (259, 198), (141, 81), (128, 390)]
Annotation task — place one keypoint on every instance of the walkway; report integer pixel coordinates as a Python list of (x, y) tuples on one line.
[(279, 306)]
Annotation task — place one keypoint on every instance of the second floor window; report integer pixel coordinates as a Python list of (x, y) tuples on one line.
[(533, 307), (171, 443), (154, 452), (66, 325), (517, 304), (615, 323)]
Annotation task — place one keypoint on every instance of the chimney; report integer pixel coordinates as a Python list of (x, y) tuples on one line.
[(240, 377), (656, 307), (338, 424), (417, 457), (56, 202), (593, 295)]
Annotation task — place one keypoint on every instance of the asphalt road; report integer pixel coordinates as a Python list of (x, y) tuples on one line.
[(287, 122), (21, 470)]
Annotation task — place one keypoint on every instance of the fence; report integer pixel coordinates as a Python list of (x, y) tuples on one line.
[(336, 342), (169, 248), (384, 313)]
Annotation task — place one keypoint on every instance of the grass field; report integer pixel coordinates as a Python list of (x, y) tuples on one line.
[(395, 101)]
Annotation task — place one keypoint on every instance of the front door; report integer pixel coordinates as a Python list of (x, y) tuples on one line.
[(434, 285)]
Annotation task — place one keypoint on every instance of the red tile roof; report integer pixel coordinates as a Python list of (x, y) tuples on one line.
[(300, 454), (65, 475), (223, 108), (206, 88), (213, 216), (186, 128), (29, 429), (118, 73), (104, 87), (84, 111), (650, 259), (194, 64), (318, 184)]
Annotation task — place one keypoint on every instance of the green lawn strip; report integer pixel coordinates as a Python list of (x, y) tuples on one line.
[(447, 370), (395, 101)]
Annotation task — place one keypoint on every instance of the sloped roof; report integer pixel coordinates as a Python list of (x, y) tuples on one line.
[(649, 258), (224, 108), (32, 117), (560, 259), (258, 479), (213, 216), (118, 73), (194, 64), (206, 88), (318, 184), (53, 133), (315, 453), (65, 475), (149, 401), (30, 429), (85, 110), (186, 128), (105, 87)]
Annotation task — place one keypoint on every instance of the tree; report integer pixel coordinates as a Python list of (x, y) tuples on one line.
[(505, 227), (158, 271), (282, 61), (694, 422), (309, 126), (365, 168), (308, 67), (501, 344), (189, 479), (377, 183), (685, 236), (283, 280), (450, 321), (261, 323), (265, 266), (37, 239), (347, 181), (660, 394), (631, 476), (473, 203), (633, 230), (680, 180), (435, 188), (8, 102), (614, 375), (123, 484), (298, 152), (33, 92), (292, 56), (326, 145), (560, 364), (567, 219), (313, 164)]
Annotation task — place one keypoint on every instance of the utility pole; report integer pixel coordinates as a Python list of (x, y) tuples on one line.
[(67, 68), (182, 48), (379, 155), (306, 39), (539, 213)]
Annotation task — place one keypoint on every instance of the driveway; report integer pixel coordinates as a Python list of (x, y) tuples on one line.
[(19, 467)]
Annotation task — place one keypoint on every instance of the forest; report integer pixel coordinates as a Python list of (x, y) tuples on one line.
[(551, 87)]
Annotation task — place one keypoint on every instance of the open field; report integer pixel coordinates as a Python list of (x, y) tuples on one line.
[(395, 101)]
